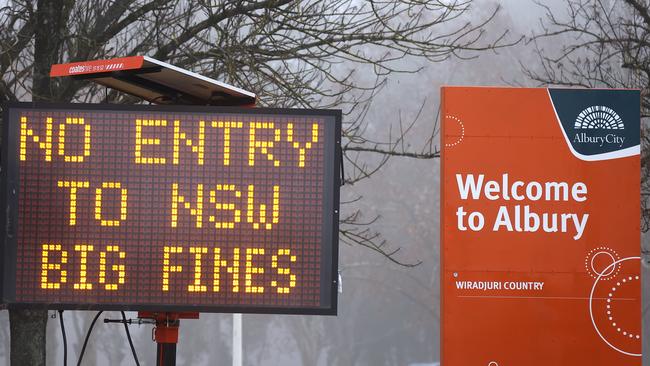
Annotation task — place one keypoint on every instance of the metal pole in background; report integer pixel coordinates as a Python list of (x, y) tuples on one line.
[(237, 359)]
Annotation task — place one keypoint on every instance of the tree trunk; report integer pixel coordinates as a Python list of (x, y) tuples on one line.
[(27, 336), (28, 326)]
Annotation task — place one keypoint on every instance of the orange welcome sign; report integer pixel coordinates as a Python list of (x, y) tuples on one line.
[(540, 228)]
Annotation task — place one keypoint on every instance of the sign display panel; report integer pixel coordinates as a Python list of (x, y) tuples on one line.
[(170, 208), (540, 238)]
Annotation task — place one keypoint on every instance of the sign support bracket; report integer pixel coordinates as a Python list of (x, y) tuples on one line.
[(165, 333)]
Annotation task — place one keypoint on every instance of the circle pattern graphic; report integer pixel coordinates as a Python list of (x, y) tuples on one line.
[(462, 131), (609, 306), (610, 315), (594, 266)]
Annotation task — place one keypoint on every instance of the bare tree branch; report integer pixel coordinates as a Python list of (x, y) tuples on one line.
[(605, 44)]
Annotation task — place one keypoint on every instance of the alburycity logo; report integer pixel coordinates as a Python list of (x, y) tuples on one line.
[(595, 124)]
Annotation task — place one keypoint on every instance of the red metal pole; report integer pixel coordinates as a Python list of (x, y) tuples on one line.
[(165, 333)]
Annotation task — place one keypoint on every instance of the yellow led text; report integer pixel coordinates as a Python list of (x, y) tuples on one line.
[(119, 268), (47, 266), (218, 263), (250, 270), (234, 269), (284, 271), (255, 278), (275, 209), (83, 264), (196, 211), (225, 206), (256, 213), (226, 125), (302, 149), (86, 144), (158, 141), (167, 268), (43, 143), (197, 286), (98, 203), (264, 146), (73, 186), (197, 147), (84, 251), (140, 141), (262, 269)]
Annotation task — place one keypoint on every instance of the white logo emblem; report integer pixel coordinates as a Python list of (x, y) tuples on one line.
[(599, 117)]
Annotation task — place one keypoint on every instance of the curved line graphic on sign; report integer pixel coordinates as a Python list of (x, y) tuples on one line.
[(462, 131), (603, 272), (630, 151), (590, 265), (591, 311)]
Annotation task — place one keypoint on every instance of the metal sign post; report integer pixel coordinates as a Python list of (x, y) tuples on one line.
[(237, 335), (165, 333)]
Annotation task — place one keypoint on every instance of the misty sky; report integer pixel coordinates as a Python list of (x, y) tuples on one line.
[(388, 315)]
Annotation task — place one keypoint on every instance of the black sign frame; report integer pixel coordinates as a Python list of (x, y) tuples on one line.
[(9, 193)]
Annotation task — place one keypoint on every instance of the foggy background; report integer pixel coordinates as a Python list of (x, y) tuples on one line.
[(388, 314)]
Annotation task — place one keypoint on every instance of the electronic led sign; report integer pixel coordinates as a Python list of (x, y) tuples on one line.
[(170, 208)]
